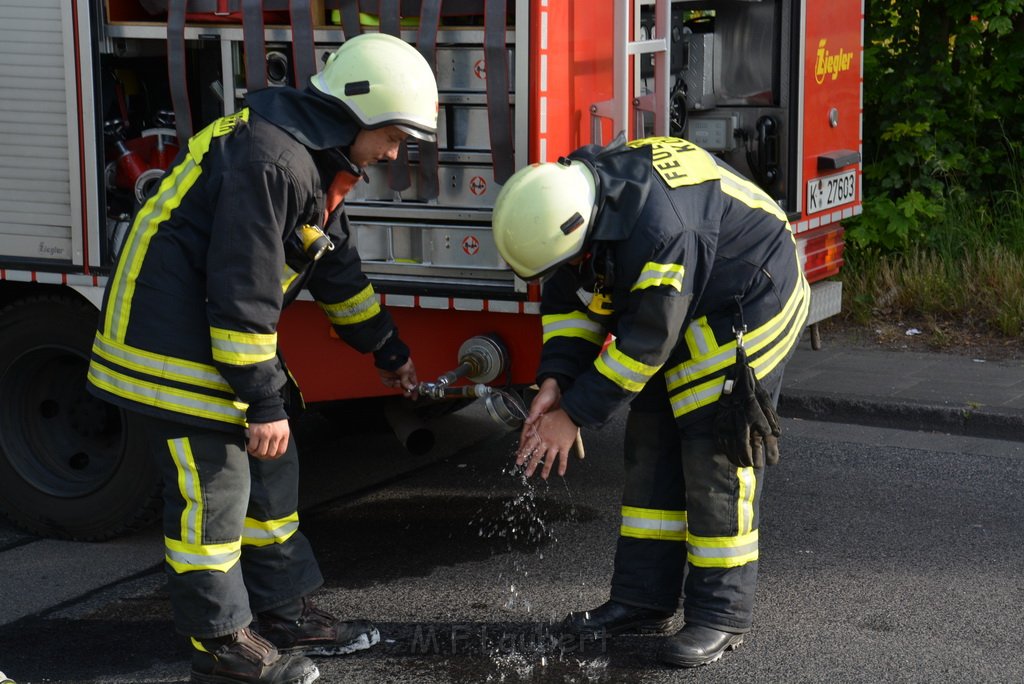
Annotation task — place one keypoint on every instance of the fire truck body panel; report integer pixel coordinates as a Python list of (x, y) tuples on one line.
[(88, 123)]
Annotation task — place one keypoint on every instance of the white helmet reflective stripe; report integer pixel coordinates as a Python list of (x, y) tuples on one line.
[(382, 81), (542, 216)]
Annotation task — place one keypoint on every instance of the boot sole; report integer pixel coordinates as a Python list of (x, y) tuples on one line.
[(360, 643), (682, 661), (198, 678)]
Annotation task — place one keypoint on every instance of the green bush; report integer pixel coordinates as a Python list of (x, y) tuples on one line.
[(943, 114)]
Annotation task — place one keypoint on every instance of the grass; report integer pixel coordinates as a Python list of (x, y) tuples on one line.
[(966, 276)]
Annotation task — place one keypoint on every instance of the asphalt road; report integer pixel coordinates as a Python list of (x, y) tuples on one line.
[(885, 556)]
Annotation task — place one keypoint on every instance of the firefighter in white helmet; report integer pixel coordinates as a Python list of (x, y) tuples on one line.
[(187, 339), (693, 271)]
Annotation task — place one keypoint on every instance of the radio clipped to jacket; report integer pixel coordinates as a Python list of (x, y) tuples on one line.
[(306, 244)]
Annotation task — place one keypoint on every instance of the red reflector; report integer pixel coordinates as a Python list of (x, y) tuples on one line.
[(823, 253)]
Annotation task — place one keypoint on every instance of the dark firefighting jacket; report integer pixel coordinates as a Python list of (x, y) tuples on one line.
[(682, 248), (188, 329)]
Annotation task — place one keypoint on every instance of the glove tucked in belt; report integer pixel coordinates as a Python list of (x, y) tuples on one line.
[(746, 427)]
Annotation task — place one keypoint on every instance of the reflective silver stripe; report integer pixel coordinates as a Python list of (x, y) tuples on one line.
[(141, 361), (708, 362), (168, 398), (722, 551), (765, 363), (747, 478), (188, 485), (653, 523), (751, 195), (156, 210), (573, 325), (696, 397), (625, 371), (655, 275), (741, 548), (354, 310), (770, 332), (241, 348), (183, 560), (259, 534), (781, 330)]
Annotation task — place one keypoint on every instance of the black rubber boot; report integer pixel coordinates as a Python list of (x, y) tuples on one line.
[(316, 632), (696, 645), (247, 657), (613, 618)]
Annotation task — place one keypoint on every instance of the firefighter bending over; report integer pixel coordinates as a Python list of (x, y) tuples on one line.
[(694, 271), (188, 340)]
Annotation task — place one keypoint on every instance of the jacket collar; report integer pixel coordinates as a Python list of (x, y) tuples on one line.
[(322, 126), (311, 119), (623, 174)]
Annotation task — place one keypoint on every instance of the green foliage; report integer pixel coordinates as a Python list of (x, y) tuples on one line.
[(943, 113), (965, 273)]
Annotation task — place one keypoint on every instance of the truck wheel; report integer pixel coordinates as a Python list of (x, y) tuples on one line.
[(71, 465)]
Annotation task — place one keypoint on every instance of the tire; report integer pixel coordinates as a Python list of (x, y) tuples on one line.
[(71, 466)]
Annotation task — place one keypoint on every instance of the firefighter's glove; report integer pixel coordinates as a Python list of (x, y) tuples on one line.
[(746, 428)]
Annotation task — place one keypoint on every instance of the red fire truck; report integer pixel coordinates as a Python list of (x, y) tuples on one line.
[(96, 97)]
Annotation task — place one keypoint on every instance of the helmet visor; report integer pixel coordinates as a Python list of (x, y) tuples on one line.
[(416, 133)]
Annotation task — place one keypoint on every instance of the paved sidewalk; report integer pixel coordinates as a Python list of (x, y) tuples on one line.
[(904, 389)]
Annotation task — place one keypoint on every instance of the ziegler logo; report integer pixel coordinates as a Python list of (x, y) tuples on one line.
[(828, 63)]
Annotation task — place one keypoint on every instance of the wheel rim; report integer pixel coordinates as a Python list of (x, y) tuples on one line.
[(58, 437)]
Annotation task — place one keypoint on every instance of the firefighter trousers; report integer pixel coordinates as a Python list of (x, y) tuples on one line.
[(689, 521), (230, 522)]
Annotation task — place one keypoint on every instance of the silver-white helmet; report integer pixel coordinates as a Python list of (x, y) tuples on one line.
[(382, 81)]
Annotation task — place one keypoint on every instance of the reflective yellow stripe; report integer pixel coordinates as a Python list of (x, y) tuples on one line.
[(765, 363), (574, 324), (156, 210), (781, 332), (183, 557), (188, 486), (745, 502), (749, 194), (267, 532), (651, 523), (700, 339), (355, 309), (656, 275), (158, 365), (167, 398), (695, 397), (629, 374), (722, 552), (287, 278), (238, 348)]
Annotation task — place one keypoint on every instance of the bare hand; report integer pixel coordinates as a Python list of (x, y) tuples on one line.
[(404, 379), (552, 435), (549, 397), (268, 441)]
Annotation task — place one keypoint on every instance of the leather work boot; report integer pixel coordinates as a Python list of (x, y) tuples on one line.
[(316, 632), (698, 645), (247, 657), (613, 618)]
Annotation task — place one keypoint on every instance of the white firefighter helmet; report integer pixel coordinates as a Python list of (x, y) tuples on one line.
[(543, 214), (382, 81)]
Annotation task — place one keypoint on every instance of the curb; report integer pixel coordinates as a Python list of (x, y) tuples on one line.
[(968, 421)]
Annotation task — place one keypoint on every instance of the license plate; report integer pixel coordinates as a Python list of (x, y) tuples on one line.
[(831, 191)]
